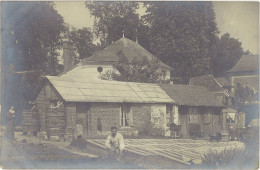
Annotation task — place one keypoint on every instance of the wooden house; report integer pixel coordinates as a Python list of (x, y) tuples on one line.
[(196, 109), (98, 105)]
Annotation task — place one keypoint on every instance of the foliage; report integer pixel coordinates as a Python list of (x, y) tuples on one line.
[(82, 39), (31, 38), (245, 94), (225, 53), (223, 158), (235, 158), (135, 71), (114, 18), (181, 35)]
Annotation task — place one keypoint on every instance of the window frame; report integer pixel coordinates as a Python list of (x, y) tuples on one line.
[(124, 118)]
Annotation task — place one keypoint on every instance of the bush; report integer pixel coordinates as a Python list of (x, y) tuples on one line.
[(229, 158)]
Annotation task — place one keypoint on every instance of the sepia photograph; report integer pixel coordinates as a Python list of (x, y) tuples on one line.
[(129, 85)]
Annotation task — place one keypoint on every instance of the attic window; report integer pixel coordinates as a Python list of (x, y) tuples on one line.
[(53, 103)]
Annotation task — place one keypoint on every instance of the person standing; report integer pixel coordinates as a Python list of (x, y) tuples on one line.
[(114, 144), (79, 141), (78, 131), (10, 128)]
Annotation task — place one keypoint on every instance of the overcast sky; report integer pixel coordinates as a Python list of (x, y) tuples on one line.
[(239, 19)]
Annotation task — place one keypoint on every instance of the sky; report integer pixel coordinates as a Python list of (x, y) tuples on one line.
[(239, 19)]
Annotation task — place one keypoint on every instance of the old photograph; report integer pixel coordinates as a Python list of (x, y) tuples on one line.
[(129, 85)]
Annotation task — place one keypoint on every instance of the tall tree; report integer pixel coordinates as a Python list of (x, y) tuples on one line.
[(181, 35), (82, 39), (31, 38), (32, 34), (112, 18), (225, 54)]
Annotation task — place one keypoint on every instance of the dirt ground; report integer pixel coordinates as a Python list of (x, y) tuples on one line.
[(34, 156)]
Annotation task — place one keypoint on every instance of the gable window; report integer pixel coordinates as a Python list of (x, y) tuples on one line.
[(53, 103), (126, 115)]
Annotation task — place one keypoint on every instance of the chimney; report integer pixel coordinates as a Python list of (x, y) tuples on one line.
[(68, 55)]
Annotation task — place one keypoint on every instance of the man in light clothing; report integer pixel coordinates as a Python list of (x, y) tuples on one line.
[(78, 131), (115, 144)]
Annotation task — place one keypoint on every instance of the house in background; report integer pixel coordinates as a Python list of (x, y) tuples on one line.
[(245, 72), (245, 75), (104, 60)]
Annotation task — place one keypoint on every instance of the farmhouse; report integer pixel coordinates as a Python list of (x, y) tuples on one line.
[(135, 108), (99, 105), (104, 60)]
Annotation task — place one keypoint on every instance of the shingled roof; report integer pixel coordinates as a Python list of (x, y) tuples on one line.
[(125, 47), (191, 95), (207, 81), (246, 63), (82, 90)]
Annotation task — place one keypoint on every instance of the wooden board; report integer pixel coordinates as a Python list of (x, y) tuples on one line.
[(30, 121)]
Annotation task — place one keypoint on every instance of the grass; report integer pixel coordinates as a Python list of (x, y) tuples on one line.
[(234, 158)]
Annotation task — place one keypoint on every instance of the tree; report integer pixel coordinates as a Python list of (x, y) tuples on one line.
[(135, 71), (114, 18), (82, 39), (32, 35), (245, 95), (31, 38), (181, 35), (225, 54)]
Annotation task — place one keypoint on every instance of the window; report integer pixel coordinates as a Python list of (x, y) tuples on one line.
[(53, 103), (126, 116)]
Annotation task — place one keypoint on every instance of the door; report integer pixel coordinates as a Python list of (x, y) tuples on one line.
[(207, 123), (82, 116)]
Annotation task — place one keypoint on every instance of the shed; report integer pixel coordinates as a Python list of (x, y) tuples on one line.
[(196, 107)]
